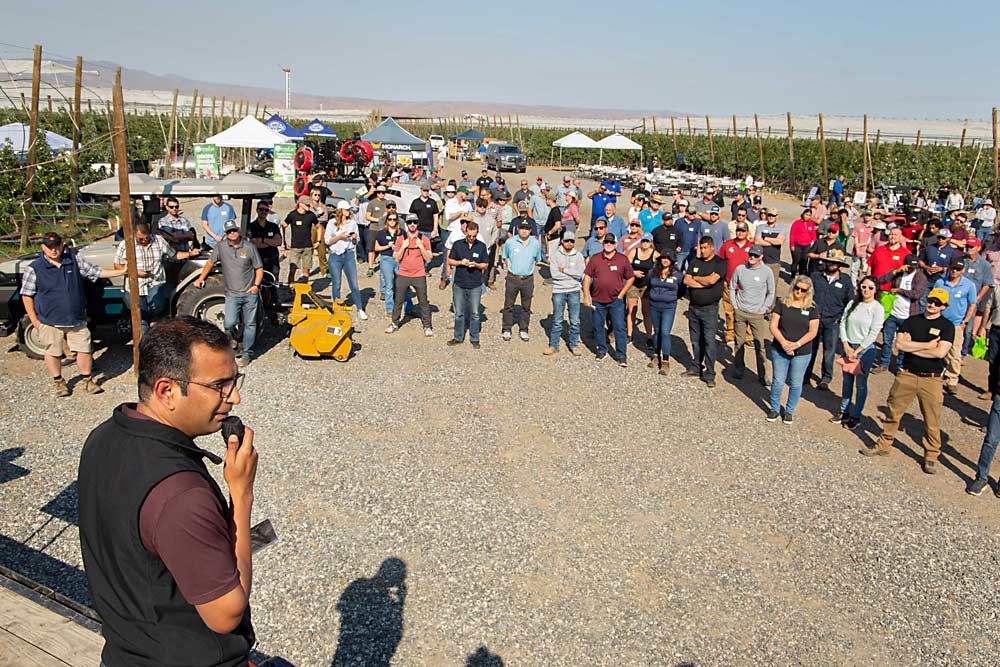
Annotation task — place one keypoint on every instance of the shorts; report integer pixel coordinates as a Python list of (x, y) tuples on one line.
[(372, 234), (635, 292), (76, 338), (300, 258)]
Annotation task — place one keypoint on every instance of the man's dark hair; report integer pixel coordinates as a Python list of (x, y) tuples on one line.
[(172, 200), (706, 240), (165, 350), (482, 203), (472, 224), (142, 227)]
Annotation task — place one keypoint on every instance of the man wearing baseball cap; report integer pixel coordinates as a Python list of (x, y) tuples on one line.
[(606, 280), (751, 292), (54, 301), (736, 253), (561, 191), (959, 310), (520, 256), (979, 271), (567, 268), (715, 227), (926, 339), (771, 238), (909, 285), (823, 245), (937, 257), (300, 223), (652, 217)]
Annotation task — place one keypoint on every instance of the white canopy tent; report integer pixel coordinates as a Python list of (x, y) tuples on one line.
[(16, 134), (248, 133), (572, 140), (618, 142)]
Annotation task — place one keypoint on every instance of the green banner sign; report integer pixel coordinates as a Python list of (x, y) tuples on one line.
[(206, 159), (284, 168)]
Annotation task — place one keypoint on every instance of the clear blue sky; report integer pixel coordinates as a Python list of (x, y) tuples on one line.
[(848, 57)]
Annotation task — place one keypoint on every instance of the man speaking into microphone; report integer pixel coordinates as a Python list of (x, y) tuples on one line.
[(167, 557)]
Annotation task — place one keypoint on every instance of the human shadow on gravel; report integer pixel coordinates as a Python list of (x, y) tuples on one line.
[(913, 427), (371, 617), (482, 657), (45, 570), (9, 471)]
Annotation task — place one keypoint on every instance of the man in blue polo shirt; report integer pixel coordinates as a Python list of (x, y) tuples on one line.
[(213, 219), (599, 198), (960, 311), (520, 256), (613, 187), (652, 217)]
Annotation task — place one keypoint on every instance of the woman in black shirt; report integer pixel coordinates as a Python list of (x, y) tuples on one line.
[(794, 323)]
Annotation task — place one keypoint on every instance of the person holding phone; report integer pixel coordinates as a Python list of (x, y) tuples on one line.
[(166, 553), (342, 237), (412, 250)]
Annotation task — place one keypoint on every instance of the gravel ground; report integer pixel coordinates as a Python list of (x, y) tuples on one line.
[(442, 506)]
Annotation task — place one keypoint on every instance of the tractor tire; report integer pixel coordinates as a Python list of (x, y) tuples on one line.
[(209, 304), (29, 340)]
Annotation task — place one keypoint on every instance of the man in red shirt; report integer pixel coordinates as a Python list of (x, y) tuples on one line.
[(801, 237), (736, 253), (911, 232), (888, 257), (606, 279)]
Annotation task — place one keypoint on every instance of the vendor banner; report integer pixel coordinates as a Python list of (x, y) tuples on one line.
[(206, 160), (284, 168)]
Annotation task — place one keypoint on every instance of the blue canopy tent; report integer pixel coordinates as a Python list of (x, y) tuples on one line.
[(316, 128), (390, 136), (277, 124), (468, 135)]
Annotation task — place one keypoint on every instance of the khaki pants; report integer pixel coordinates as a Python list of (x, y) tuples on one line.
[(744, 322), (727, 309), (953, 362), (318, 233), (928, 393)]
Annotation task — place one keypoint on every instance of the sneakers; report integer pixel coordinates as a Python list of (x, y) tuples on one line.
[(930, 467), (392, 328), (879, 369), (977, 486), (524, 336), (772, 416), (691, 373), (823, 385), (710, 383), (575, 351), (838, 418), (452, 342), (90, 386), (852, 423), (61, 388), (428, 332), (651, 364), (443, 284), (623, 362), (371, 272), (362, 314), (787, 419), (549, 351), (475, 345), (874, 451), (600, 356), (505, 335), (950, 389)]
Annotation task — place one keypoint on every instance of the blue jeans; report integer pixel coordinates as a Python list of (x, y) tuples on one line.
[(663, 322), (790, 369), (387, 268), (990, 441), (703, 325), (857, 385), (569, 301), (246, 306), (889, 330), (829, 332), (466, 301), (347, 264), (362, 247), (599, 317), (151, 307)]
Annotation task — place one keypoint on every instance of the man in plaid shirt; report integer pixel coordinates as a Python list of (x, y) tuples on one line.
[(149, 254)]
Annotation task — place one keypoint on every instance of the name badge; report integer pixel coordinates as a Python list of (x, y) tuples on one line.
[(670, 280), (972, 270), (732, 250), (895, 258), (270, 234), (475, 254), (694, 269), (756, 279), (516, 249), (805, 312), (837, 285), (298, 222), (614, 268), (935, 332), (958, 295), (243, 255)]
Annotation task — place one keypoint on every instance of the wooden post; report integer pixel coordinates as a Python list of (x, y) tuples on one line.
[(125, 197), (918, 141), (90, 109), (171, 139), (654, 124), (520, 137), (878, 138), (822, 148), (769, 132), (847, 135), (760, 149), (49, 97), (190, 133), (201, 112), (961, 143), (256, 111), (736, 148), (673, 137), (211, 119), (24, 103), (26, 206), (74, 165), (644, 125), (690, 132), (864, 163), (510, 128), (711, 147), (791, 150), (996, 163)]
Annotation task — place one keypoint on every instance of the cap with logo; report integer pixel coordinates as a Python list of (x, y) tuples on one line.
[(742, 227), (958, 264), (524, 224), (464, 189), (449, 188), (646, 237), (714, 209), (522, 205), (380, 188), (911, 260), (609, 238), (837, 255), (51, 240), (232, 226), (832, 227), (973, 242), (939, 293), (756, 251), (944, 234)]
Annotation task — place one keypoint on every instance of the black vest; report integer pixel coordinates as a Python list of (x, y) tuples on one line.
[(60, 299), (146, 620)]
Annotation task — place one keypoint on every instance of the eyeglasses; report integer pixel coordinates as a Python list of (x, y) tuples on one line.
[(867, 287), (170, 206), (392, 219), (799, 288), (935, 302), (224, 387)]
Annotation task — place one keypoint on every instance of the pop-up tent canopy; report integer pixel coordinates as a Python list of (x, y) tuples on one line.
[(248, 133), (390, 136), (17, 135), (468, 135), (316, 128), (277, 124), (233, 185), (572, 140), (618, 142)]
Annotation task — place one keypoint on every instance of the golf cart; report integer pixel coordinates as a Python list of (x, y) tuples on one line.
[(105, 304)]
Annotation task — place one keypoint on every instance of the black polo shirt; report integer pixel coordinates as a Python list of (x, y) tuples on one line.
[(701, 268), (425, 212), (666, 239), (468, 277), (483, 182), (269, 231)]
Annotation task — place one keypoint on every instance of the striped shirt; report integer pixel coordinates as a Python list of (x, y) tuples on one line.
[(149, 258)]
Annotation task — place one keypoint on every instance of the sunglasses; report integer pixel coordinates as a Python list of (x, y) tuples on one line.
[(169, 206), (935, 302), (799, 288), (392, 218), (634, 225), (412, 222), (233, 231), (609, 243), (867, 287), (601, 227)]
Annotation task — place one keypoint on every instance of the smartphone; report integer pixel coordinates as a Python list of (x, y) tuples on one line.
[(262, 535)]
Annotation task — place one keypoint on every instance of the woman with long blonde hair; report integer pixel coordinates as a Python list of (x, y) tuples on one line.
[(794, 323), (342, 239)]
